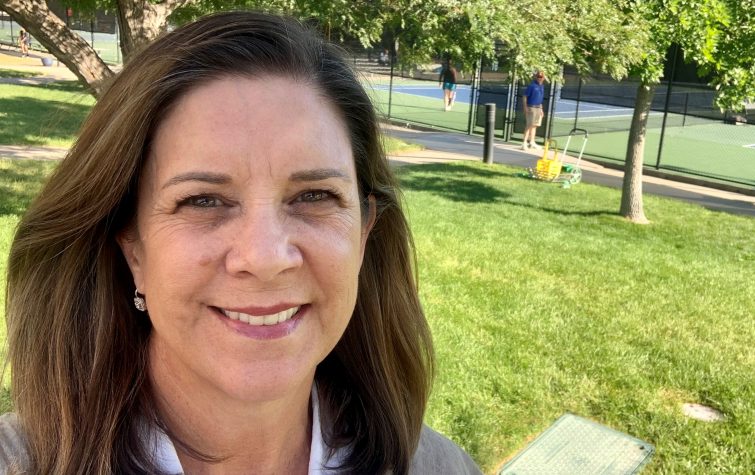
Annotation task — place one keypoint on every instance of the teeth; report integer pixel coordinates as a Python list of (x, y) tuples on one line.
[(271, 319), (258, 320)]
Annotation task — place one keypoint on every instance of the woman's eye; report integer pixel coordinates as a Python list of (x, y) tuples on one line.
[(314, 196), (202, 201)]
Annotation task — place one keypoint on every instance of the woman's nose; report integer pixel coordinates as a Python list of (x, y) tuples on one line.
[(265, 244)]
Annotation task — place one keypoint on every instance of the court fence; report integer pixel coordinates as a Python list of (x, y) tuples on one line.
[(107, 45), (687, 136)]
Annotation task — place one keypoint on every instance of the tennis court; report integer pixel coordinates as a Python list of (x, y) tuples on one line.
[(105, 44), (692, 146)]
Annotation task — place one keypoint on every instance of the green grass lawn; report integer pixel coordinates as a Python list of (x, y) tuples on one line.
[(48, 115), (543, 300)]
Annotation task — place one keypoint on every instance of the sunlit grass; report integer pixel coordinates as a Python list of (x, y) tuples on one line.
[(392, 145), (543, 300), (42, 115)]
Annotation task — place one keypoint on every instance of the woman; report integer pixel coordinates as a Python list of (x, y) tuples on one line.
[(24, 40), (447, 81), (218, 277)]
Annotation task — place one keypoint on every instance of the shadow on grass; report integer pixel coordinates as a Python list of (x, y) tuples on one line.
[(464, 425), (454, 182), (66, 86), (20, 184), (26, 118), (460, 182), (12, 73), (565, 212)]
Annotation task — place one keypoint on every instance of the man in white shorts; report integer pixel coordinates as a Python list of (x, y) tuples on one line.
[(533, 110)]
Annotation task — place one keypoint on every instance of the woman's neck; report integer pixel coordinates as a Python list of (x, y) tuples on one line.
[(250, 437)]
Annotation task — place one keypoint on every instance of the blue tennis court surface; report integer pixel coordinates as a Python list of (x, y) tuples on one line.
[(462, 92), (565, 108)]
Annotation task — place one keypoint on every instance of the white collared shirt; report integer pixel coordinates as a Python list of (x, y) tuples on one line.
[(166, 458)]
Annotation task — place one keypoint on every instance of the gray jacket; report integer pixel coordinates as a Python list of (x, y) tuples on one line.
[(435, 454)]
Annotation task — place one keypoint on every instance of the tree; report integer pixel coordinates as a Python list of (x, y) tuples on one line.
[(139, 22), (594, 36), (719, 36), (337, 19)]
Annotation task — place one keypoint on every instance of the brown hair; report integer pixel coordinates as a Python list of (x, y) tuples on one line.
[(78, 349)]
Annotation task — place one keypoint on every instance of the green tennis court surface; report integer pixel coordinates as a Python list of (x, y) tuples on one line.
[(713, 150)]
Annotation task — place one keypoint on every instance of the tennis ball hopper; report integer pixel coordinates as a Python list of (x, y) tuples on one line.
[(555, 168)]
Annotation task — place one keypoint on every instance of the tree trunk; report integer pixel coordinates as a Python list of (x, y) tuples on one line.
[(141, 21), (631, 193), (68, 47)]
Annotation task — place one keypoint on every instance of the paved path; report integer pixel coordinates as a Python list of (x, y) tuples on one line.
[(21, 152), (10, 58), (449, 146)]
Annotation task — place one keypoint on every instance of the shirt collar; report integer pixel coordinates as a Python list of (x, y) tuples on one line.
[(165, 456)]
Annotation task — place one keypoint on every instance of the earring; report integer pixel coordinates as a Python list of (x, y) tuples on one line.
[(139, 301)]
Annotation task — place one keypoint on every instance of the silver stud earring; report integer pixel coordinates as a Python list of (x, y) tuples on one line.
[(139, 301)]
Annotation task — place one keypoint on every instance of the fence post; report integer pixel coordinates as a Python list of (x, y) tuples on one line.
[(390, 86), (476, 76), (686, 102), (579, 98), (489, 132), (548, 132), (117, 42), (510, 113), (665, 108)]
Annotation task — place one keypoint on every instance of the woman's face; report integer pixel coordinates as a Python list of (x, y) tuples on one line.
[(248, 238)]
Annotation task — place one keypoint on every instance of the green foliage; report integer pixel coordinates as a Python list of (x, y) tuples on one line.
[(338, 19), (718, 35), (522, 34), (733, 64), (532, 34)]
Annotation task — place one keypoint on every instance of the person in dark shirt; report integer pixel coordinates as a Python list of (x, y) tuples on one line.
[(447, 80), (533, 110)]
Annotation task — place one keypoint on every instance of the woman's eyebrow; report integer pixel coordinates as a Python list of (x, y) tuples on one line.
[(319, 174), (206, 177)]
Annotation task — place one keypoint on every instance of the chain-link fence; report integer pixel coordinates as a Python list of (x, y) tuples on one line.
[(106, 44), (686, 133)]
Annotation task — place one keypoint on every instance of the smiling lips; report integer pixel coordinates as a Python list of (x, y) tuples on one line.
[(259, 320)]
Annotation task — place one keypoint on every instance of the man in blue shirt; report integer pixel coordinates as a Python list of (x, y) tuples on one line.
[(533, 110)]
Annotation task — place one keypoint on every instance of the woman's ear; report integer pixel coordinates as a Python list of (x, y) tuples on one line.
[(369, 222), (131, 246)]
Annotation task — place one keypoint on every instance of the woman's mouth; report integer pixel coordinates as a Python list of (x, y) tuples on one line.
[(260, 320)]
